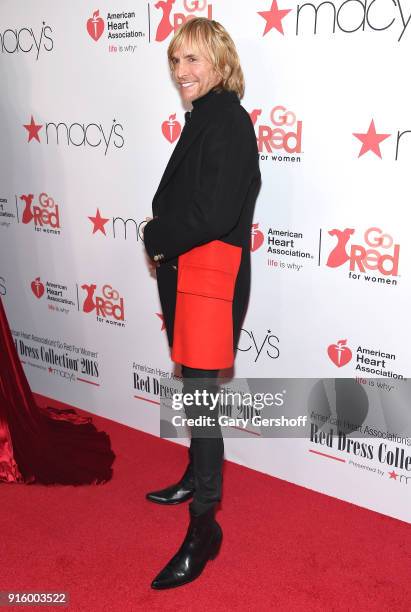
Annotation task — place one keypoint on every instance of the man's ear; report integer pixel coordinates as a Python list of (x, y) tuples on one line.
[(227, 71)]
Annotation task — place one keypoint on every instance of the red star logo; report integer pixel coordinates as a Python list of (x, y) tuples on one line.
[(99, 222), (274, 18), (393, 475), (371, 140), (33, 130), (161, 316)]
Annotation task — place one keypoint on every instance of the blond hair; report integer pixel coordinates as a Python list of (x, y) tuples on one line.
[(210, 36)]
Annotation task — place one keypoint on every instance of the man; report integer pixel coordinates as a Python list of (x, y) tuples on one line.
[(200, 240)]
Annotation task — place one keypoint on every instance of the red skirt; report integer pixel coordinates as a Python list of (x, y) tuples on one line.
[(203, 324)]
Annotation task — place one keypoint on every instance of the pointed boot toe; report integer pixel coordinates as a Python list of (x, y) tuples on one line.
[(164, 580), (202, 543), (175, 494)]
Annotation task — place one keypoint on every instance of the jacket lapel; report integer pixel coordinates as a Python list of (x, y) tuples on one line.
[(190, 133), (187, 138)]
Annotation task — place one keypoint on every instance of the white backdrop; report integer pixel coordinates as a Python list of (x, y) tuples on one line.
[(89, 119)]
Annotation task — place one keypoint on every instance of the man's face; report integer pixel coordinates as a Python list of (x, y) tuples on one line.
[(193, 73)]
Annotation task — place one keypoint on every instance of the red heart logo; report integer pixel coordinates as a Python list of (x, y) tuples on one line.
[(37, 287), (95, 26), (257, 237), (171, 129), (339, 353)]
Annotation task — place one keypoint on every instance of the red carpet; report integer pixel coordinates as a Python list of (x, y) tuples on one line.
[(284, 547)]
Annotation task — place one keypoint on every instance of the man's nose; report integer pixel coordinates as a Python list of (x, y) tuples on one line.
[(180, 71)]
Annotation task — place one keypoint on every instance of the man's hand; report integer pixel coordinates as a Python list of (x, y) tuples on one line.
[(151, 264), (147, 220)]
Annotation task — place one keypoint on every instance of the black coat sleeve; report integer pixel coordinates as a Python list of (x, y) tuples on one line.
[(228, 165)]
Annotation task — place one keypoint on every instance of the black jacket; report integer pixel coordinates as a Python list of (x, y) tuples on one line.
[(207, 192)]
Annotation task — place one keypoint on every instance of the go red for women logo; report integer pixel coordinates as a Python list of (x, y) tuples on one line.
[(172, 19), (282, 132), (43, 213), (107, 303), (376, 253)]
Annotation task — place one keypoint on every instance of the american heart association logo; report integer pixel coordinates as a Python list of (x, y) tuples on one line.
[(95, 26), (257, 237), (37, 287), (339, 353), (171, 129)]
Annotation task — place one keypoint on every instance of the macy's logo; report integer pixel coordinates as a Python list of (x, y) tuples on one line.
[(26, 40), (110, 304), (77, 134), (338, 16), (170, 23), (374, 258), (254, 347)]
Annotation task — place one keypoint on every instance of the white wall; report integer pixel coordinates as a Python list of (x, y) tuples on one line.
[(325, 87)]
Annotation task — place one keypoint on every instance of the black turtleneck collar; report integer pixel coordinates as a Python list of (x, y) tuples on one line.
[(207, 103), (210, 95)]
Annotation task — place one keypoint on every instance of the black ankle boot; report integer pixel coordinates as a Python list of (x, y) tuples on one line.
[(202, 543), (176, 493)]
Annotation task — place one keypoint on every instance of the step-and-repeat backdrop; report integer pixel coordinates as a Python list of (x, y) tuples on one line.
[(89, 118)]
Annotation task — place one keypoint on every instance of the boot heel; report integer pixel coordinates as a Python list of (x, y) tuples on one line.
[(216, 546)]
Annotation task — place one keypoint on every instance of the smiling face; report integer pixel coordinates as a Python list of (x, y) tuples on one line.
[(193, 72)]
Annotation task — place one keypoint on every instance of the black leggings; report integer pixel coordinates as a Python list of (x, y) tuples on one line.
[(206, 453)]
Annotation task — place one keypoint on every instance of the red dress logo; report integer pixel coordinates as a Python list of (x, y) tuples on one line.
[(284, 133), (45, 213), (171, 23), (379, 253), (110, 304)]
